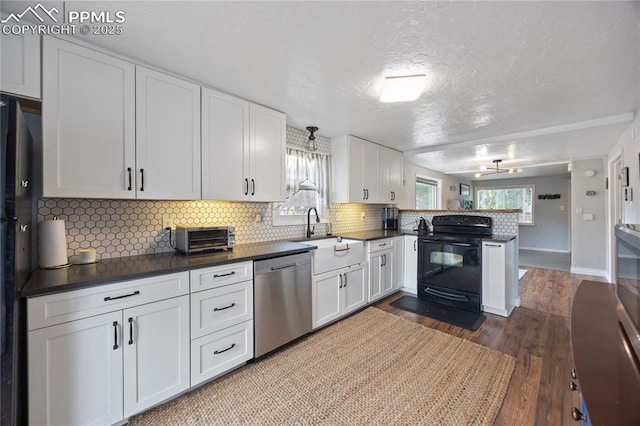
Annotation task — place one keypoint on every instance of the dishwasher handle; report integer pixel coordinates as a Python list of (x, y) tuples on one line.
[(277, 268)]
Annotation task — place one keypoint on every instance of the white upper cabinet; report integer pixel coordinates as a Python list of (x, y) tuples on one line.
[(20, 65), (225, 146), (88, 123), (268, 135), (167, 137), (364, 172), (243, 150)]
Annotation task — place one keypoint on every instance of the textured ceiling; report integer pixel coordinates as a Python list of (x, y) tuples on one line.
[(498, 71)]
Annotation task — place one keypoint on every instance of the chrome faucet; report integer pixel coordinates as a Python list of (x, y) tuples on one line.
[(309, 231)]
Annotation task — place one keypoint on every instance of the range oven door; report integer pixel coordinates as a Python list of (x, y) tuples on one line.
[(450, 272)]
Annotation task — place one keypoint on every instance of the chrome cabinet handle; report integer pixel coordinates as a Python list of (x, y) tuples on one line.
[(129, 188), (364, 194), (345, 280), (141, 179), (223, 275), (246, 187), (224, 307), (253, 187), (115, 335), (340, 281), (233, 345), (492, 245), (131, 331), (415, 243), (347, 248), (367, 193)]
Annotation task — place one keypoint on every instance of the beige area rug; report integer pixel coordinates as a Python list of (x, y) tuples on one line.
[(370, 368)]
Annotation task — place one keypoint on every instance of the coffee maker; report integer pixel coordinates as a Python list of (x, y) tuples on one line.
[(390, 218)]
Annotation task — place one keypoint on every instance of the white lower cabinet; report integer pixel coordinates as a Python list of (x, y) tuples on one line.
[(107, 366), (75, 372), (221, 351), (337, 293), (156, 353), (221, 319), (410, 263), (498, 270), (381, 268)]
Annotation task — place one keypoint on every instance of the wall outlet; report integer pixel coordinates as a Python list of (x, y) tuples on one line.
[(167, 222)]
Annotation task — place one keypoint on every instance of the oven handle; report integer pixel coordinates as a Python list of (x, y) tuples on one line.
[(461, 244), (431, 241), (444, 295)]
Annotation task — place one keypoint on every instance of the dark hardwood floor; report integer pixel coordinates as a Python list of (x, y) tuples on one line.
[(537, 334)]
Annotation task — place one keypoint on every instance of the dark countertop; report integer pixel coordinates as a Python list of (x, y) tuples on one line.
[(112, 270), (133, 267), (376, 234)]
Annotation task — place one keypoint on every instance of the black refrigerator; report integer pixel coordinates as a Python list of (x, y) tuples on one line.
[(18, 258)]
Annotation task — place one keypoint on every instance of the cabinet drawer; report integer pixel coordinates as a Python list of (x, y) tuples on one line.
[(219, 352), (72, 305), (216, 276), (222, 307), (382, 244)]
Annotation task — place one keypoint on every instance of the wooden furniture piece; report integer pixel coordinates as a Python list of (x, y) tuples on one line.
[(608, 373)]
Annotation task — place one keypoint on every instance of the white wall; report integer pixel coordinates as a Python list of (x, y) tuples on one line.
[(589, 237), (448, 181), (552, 228)]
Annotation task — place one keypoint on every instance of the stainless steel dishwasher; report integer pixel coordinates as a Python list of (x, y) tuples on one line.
[(282, 301)]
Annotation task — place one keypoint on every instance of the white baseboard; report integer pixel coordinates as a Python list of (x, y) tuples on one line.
[(410, 290), (544, 249), (588, 271)]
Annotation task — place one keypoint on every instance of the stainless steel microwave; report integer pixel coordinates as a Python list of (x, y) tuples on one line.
[(200, 238)]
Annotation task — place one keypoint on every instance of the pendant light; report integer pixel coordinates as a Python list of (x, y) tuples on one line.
[(311, 142)]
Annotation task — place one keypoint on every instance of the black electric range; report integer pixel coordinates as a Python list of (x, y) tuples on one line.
[(450, 261)]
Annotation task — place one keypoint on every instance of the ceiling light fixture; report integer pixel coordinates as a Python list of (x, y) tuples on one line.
[(311, 142), (402, 88), (495, 170)]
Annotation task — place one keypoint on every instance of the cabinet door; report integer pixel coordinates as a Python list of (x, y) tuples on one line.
[(354, 289), (20, 65), (493, 278), (75, 372), (370, 156), (376, 275), (225, 147), (357, 190), (398, 263), (167, 137), (88, 123), (396, 170), (268, 149), (411, 263), (384, 173), (326, 297), (388, 272), (156, 353)]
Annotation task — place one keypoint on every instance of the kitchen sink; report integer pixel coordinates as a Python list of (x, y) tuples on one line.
[(331, 254)]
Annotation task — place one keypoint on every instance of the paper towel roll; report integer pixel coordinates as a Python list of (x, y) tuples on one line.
[(52, 243)]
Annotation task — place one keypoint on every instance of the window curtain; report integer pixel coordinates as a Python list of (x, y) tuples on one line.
[(308, 167)]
